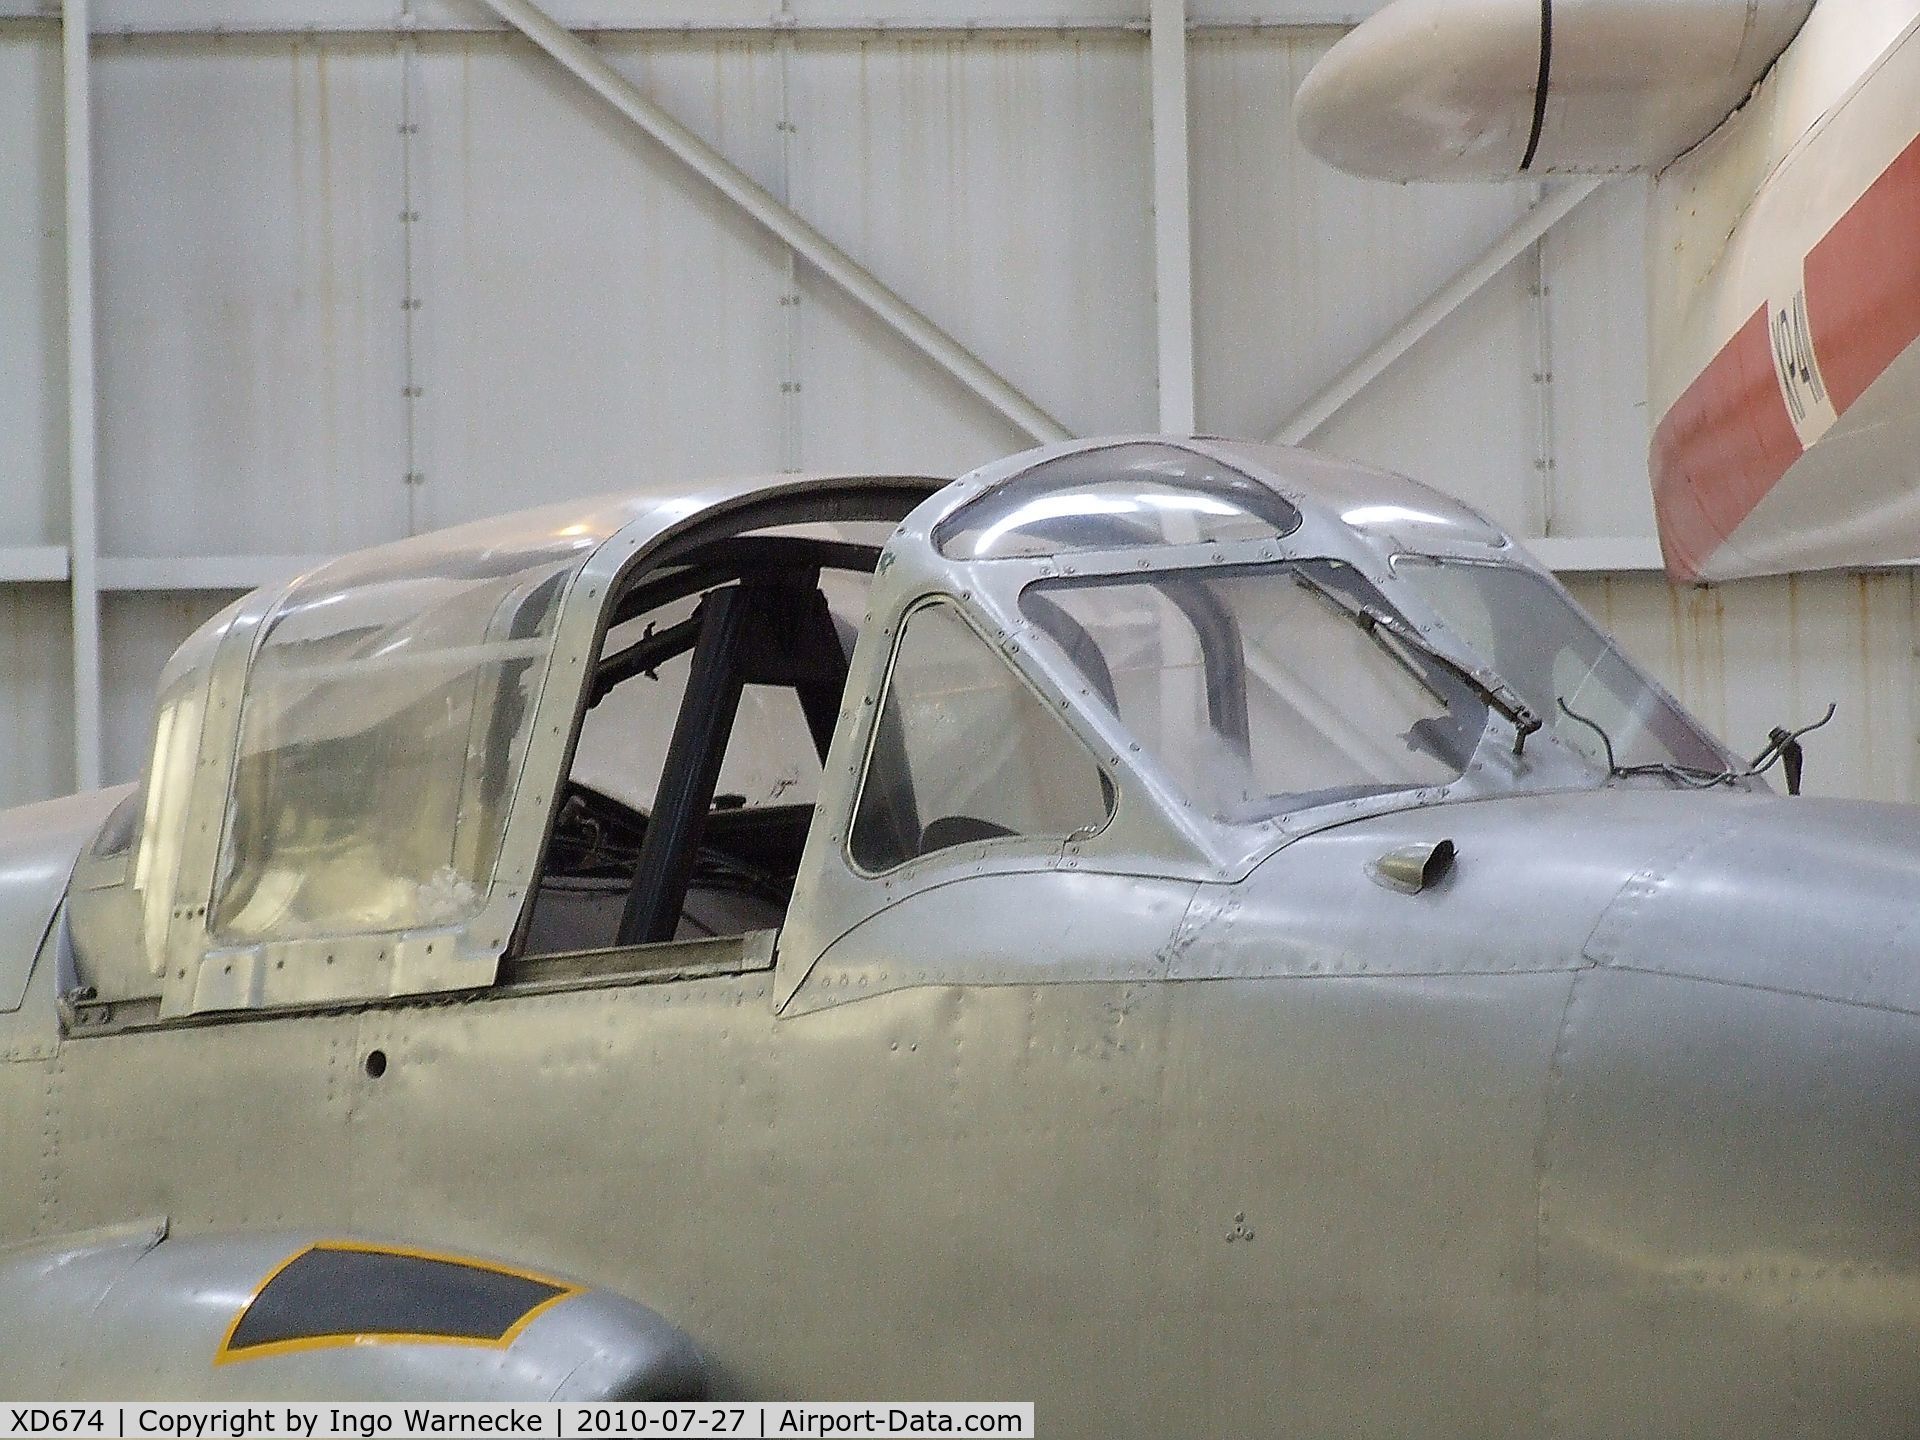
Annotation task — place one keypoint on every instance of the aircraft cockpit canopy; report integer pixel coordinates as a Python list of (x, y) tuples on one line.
[(672, 719), (1277, 634)]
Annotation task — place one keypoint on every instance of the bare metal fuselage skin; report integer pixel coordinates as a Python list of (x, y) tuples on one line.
[(1614, 1130)]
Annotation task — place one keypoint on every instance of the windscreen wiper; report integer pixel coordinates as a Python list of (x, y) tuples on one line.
[(1489, 687)]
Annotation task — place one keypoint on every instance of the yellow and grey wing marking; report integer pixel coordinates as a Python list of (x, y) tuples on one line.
[(342, 1292)]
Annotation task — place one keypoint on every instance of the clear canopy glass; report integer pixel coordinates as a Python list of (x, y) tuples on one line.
[(964, 751), (1554, 658), (1113, 499), (162, 824), (387, 711), (1261, 689)]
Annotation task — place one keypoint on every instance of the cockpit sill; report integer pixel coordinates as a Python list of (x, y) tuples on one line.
[(748, 958)]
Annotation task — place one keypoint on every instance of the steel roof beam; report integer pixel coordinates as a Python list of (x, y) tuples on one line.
[(1523, 233), (580, 59), (1172, 216), (83, 468), (641, 17)]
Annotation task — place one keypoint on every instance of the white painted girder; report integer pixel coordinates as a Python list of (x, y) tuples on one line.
[(33, 564), (1465, 284), (82, 393), (305, 17), (202, 573), (1172, 216), (760, 205)]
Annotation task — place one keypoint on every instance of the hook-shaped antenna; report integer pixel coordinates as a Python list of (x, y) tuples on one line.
[(1613, 766), (1784, 745)]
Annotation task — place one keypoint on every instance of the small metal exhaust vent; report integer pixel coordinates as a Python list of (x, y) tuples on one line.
[(1413, 868)]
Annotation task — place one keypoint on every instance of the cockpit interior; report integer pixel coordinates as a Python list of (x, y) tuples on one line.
[(707, 720)]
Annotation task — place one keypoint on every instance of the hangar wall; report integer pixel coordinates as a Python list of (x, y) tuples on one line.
[(372, 268)]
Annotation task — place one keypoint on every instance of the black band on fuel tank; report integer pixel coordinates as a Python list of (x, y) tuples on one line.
[(1540, 83)]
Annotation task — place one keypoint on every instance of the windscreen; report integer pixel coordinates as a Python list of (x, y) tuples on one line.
[(1262, 689), (1558, 661), (964, 751)]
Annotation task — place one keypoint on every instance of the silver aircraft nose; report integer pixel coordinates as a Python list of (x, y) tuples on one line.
[(1808, 897), (1731, 1150)]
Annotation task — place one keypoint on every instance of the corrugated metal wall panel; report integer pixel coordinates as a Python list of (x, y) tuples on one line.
[(871, 401), (33, 337), (1595, 263), (981, 12), (592, 316), (303, 15), (1758, 653), (36, 705), (137, 634), (998, 184), (1299, 270), (1450, 414), (249, 251)]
